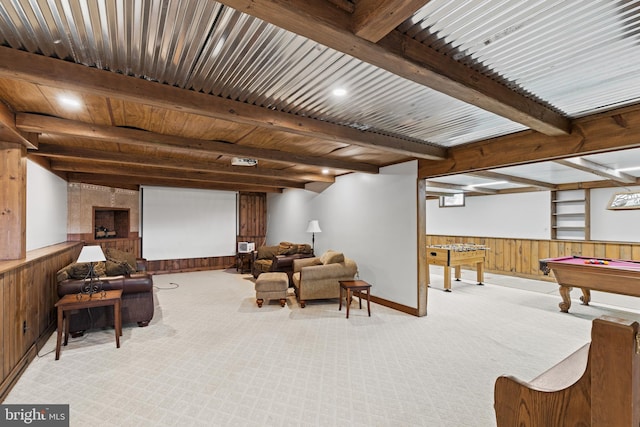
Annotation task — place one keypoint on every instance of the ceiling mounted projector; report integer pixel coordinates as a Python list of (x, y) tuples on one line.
[(243, 161)]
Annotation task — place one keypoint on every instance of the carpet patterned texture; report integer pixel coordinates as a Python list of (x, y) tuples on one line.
[(211, 357)]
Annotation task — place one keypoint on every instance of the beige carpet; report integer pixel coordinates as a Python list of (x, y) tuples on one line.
[(211, 357)]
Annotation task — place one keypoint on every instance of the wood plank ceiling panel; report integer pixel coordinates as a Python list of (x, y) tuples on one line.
[(167, 122)]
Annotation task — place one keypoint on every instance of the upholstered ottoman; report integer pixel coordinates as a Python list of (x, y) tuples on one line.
[(272, 286)]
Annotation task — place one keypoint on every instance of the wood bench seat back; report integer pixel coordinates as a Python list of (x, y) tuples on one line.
[(598, 385)]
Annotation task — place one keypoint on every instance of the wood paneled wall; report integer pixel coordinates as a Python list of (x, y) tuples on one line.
[(190, 264), (252, 218), (27, 313), (519, 257), (131, 245)]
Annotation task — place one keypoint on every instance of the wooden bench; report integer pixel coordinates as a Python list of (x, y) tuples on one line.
[(598, 385)]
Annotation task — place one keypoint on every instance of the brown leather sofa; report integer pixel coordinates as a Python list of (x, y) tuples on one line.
[(279, 258), (137, 296)]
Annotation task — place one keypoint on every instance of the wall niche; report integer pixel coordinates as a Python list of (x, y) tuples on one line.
[(110, 223)]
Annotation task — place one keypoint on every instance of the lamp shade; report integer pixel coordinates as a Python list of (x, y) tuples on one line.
[(91, 254), (314, 226)]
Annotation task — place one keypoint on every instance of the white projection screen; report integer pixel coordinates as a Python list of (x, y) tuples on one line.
[(179, 223)]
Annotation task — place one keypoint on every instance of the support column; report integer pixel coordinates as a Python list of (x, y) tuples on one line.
[(13, 201), (423, 267)]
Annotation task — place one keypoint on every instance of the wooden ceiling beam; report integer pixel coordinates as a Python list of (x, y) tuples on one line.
[(125, 181), (101, 168), (40, 70), (464, 188), (515, 179), (117, 155), (617, 130), (9, 132), (405, 57), (53, 125), (374, 19), (597, 169)]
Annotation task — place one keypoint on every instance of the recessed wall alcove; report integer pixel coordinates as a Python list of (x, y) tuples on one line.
[(110, 223), (115, 209)]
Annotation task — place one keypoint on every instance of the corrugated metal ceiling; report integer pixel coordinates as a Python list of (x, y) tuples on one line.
[(204, 46), (578, 56)]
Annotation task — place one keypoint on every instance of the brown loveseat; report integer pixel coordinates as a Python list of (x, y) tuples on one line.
[(318, 278), (279, 258), (122, 270)]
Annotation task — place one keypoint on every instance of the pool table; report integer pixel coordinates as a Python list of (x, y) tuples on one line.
[(598, 274)]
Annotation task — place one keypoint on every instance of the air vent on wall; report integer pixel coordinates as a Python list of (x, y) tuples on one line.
[(243, 161)]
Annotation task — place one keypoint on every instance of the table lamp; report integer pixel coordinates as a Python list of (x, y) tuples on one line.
[(91, 255), (313, 228)]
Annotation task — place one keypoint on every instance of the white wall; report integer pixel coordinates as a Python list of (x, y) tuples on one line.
[(46, 208), (521, 215), (528, 216), (613, 225), (371, 218)]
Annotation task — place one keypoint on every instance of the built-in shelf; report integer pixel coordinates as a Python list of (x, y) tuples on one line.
[(569, 201), (568, 228), (570, 214)]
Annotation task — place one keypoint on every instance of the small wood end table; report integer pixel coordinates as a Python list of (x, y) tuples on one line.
[(357, 286), (81, 301), (244, 261)]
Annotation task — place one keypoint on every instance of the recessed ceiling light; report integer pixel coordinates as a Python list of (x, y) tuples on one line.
[(325, 171), (67, 101), (339, 92)]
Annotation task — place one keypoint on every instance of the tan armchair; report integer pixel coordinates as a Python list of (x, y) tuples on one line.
[(318, 277)]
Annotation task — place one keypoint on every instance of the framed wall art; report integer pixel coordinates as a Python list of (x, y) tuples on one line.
[(627, 200)]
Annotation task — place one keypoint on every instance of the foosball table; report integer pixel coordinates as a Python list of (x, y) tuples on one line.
[(456, 255)]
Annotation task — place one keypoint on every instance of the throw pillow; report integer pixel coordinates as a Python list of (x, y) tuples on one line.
[(332, 257), (121, 268), (287, 248), (267, 252), (304, 249), (81, 270), (117, 256), (63, 273)]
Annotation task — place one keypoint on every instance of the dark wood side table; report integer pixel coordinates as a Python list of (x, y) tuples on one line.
[(244, 261), (357, 286), (81, 301)]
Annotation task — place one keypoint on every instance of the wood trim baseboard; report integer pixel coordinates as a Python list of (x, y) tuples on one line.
[(395, 306), (187, 270), (12, 378)]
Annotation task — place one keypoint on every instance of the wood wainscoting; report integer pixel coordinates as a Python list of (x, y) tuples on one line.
[(132, 244), (190, 264), (27, 313), (519, 257)]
